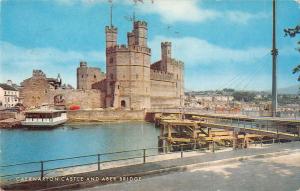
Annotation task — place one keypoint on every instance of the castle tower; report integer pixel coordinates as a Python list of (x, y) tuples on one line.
[(140, 32), (166, 56), (128, 70), (87, 76), (111, 33)]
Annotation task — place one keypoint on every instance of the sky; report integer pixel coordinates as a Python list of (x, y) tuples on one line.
[(223, 43)]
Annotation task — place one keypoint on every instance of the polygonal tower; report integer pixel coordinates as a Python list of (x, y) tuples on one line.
[(166, 55), (128, 69)]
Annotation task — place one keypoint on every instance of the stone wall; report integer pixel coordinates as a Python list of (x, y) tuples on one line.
[(86, 99), (105, 115), (87, 76), (6, 115), (35, 91)]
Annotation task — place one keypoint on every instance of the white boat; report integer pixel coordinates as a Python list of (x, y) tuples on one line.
[(44, 118)]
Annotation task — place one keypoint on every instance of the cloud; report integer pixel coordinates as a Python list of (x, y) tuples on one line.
[(195, 51), (21, 61), (191, 11), (74, 2), (239, 17), (171, 12)]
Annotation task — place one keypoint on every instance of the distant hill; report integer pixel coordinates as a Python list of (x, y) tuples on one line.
[(290, 90)]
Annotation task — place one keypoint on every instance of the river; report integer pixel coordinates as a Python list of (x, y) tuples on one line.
[(23, 145)]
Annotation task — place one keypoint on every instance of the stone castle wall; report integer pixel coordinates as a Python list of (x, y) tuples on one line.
[(86, 99), (105, 115), (87, 76), (37, 91)]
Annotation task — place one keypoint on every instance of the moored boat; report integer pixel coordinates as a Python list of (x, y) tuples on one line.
[(44, 118)]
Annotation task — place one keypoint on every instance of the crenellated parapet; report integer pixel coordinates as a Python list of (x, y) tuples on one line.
[(38, 74), (177, 63), (161, 75), (164, 44), (125, 48), (111, 29), (139, 24)]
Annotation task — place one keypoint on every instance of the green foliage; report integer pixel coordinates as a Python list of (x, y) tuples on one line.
[(292, 32), (228, 90), (244, 96)]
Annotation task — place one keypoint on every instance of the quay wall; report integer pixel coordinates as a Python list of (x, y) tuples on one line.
[(6, 115), (105, 115)]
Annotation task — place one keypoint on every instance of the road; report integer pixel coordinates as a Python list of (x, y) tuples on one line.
[(261, 174)]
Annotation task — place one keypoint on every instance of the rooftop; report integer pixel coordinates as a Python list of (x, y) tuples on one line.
[(8, 87)]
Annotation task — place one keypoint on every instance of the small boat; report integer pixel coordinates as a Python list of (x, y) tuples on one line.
[(44, 118)]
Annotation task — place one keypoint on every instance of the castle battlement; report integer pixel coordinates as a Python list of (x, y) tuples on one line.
[(124, 47), (111, 29), (166, 44), (177, 63), (38, 73), (161, 75), (138, 24)]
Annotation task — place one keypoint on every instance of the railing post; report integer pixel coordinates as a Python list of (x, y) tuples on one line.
[(42, 170), (261, 142), (213, 146), (144, 156), (98, 162), (181, 151), (273, 140)]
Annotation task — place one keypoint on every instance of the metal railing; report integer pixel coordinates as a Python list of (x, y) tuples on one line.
[(100, 159)]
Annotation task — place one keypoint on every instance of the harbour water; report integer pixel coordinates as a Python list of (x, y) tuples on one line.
[(23, 145)]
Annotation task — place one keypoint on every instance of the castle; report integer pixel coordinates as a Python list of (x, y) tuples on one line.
[(130, 81)]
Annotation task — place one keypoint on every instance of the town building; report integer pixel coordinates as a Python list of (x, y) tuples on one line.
[(9, 96)]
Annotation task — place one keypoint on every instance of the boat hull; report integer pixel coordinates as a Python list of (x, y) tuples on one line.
[(35, 124)]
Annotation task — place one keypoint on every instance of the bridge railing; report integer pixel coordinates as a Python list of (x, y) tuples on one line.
[(38, 170), (248, 113)]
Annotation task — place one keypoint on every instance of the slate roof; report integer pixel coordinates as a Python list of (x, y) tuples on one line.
[(8, 87)]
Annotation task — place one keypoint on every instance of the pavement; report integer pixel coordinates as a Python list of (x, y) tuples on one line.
[(140, 176), (265, 174)]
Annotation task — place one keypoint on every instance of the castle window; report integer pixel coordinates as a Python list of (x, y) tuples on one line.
[(123, 76), (111, 60), (137, 76), (111, 76), (82, 76), (177, 76), (45, 91), (118, 87), (95, 76)]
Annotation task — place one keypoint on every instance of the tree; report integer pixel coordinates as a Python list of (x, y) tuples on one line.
[(292, 32)]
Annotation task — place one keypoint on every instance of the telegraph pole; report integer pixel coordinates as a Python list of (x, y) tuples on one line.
[(274, 54)]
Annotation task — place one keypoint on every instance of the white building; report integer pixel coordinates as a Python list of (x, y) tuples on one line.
[(9, 96)]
